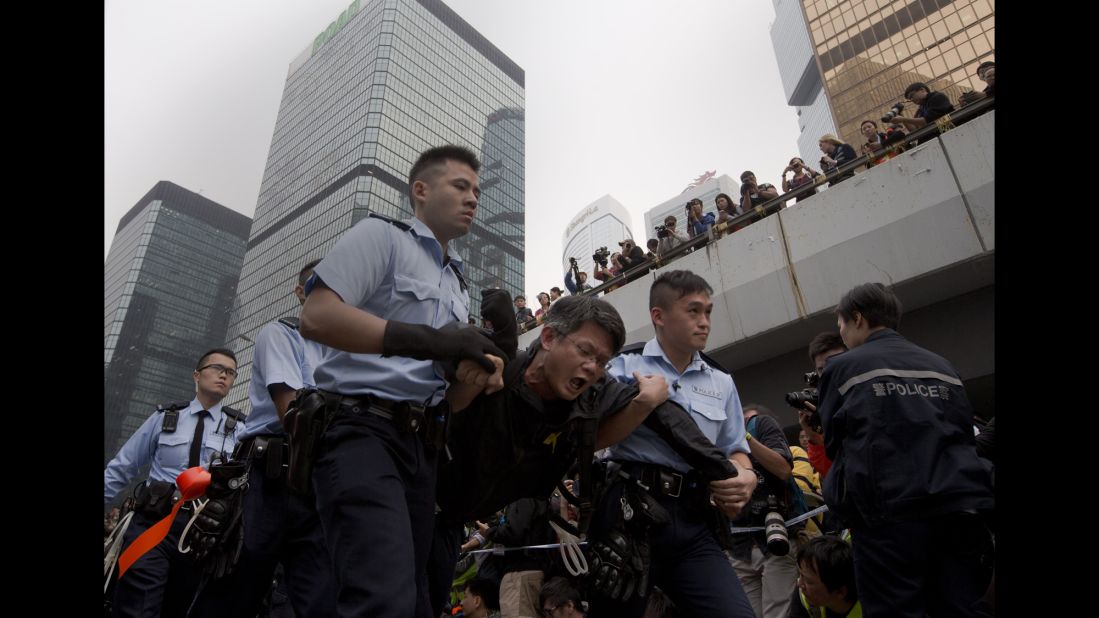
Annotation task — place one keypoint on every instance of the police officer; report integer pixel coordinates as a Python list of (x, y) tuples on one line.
[(687, 562), (173, 439), (380, 299), (279, 525), (911, 488)]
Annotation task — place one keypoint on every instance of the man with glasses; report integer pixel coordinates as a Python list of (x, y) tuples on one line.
[(560, 599), (174, 438)]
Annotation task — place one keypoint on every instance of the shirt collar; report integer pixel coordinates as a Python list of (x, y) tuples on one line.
[(195, 407), (652, 348), (425, 235)]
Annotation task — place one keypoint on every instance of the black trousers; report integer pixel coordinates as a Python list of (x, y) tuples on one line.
[(686, 563), (163, 581), (279, 526), (930, 567), (376, 498)]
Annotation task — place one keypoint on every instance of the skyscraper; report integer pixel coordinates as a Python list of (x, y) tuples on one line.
[(603, 223), (169, 282), (801, 82), (385, 81), (869, 51)]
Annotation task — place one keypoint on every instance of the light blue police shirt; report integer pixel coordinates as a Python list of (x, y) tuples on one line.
[(709, 395), (168, 452), (395, 275), (281, 356)]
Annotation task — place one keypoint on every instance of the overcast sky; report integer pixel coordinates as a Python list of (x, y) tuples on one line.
[(623, 97)]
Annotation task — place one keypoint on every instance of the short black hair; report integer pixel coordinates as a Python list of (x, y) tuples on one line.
[(673, 285), (870, 121), (877, 305), (652, 243), (431, 161), (671, 218), (518, 297), (984, 65), (823, 342), (488, 590), (746, 173), (222, 351), (569, 313), (915, 86), (557, 592), (760, 409), (831, 558), (307, 270)]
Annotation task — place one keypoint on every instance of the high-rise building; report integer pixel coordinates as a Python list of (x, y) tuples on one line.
[(707, 192), (169, 282), (801, 82), (603, 223), (385, 81), (869, 51)]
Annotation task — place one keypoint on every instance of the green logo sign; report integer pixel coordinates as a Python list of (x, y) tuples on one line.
[(336, 26)]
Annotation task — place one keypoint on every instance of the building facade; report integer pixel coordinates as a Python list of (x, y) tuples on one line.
[(385, 81), (603, 223), (801, 82), (869, 51), (169, 282)]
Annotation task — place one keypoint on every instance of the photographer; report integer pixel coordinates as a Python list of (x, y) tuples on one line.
[(607, 268), (767, 577), (876, 140), (824, 346), (581, 283), (802, 175), (668, 237), (753, 194), (698, 223), (632, 255), (836, 155), (932, 106)]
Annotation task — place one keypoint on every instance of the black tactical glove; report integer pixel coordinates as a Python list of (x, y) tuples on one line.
[(217, 535), (618, 567), (496, 308), (426, 343)]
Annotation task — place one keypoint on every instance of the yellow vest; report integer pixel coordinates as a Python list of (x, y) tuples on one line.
[(819, 612)]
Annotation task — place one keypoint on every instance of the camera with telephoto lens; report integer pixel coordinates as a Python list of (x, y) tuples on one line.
[(774, 528), (798, 399), (662, 231), (893, 112), (600, 256)]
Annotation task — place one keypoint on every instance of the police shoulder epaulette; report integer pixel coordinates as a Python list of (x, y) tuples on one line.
[(290, 322), (233, 413), (401, 224), (171, 415), (712, 363), (633, 348)]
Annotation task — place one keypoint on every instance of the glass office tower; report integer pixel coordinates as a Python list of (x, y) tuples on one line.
[(169, 282), (869, 51), (385, 81)]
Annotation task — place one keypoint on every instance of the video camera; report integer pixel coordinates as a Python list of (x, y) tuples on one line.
[(600, 256), (798, 399), (662, 231), (893, 112)]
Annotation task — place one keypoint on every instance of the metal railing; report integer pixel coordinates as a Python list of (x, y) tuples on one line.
[(770, 207)]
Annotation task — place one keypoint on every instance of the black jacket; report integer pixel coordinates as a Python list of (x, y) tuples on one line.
[(899, 430)]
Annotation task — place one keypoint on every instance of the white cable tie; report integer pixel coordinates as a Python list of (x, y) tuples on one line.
[(187, 528), (499, 549)]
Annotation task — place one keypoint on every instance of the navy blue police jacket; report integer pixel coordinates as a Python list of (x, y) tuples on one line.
[(899, 430)]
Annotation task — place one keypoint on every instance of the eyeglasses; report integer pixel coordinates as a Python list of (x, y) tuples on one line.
[(548, 611), (221, 369), (601, 361)]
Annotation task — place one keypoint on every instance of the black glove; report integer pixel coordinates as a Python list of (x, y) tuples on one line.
[(217, 535), (496, 308), (618, 567), (423, 342)]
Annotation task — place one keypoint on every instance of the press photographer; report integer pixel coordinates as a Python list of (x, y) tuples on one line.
[(668, 236), (878, 141), (764, 561)]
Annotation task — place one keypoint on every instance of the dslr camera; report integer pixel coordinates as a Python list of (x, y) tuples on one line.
[(662, 231), (600, 256), (893, 112), (798, 399), (769, 508)]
